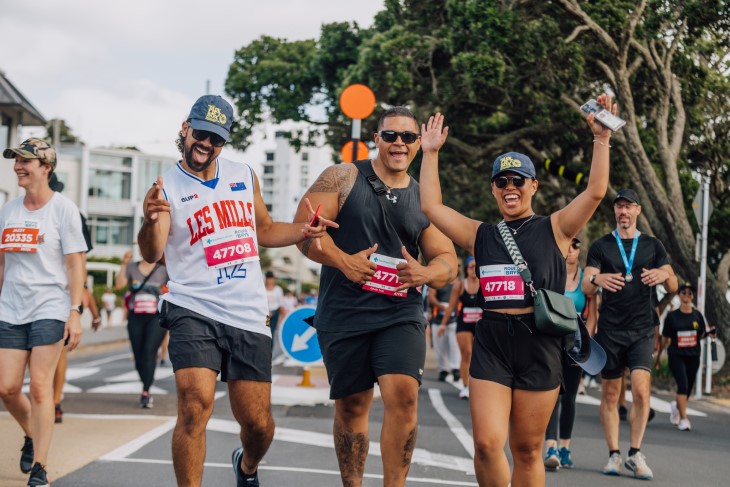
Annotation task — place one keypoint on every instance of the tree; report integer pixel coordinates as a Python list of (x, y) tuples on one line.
[(65, 135), (511, 75)]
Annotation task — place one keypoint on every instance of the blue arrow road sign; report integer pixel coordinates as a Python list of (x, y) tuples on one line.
[(297, 338)]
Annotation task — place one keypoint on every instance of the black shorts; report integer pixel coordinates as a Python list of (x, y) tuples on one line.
[(626, 348), (28, 335), (355, 360), (197, 341), (468, 327), (510, 351)]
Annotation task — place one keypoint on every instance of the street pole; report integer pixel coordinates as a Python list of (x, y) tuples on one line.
[(356, 131), (702, 289)]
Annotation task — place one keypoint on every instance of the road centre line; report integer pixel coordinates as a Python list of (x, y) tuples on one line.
[(454, 424)]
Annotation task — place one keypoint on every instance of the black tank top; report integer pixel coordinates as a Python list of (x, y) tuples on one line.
[(343, 305), (443, 295), (499, 284), (469, 301)]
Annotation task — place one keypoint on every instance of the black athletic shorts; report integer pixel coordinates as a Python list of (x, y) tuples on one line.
[(626, 348), (197, 341), (355, 360), (468, 327), (510, 351)]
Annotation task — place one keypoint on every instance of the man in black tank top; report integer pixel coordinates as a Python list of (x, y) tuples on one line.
[(627, 264), (369, 317)]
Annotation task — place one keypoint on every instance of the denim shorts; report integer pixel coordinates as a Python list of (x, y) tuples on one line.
[(30, 335)]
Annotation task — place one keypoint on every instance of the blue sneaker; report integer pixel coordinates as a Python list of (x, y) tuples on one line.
[(552, 461), (565, 460), (243, 480), (26, 456)]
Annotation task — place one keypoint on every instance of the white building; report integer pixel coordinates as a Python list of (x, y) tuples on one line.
[(287, 175)]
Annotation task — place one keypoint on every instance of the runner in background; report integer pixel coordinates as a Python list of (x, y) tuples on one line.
[(443, 331)]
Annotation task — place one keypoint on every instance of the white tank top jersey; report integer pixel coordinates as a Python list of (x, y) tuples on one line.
[(212, 249)]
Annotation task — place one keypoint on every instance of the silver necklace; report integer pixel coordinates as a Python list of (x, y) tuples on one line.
[(515, 230), (393, 198)]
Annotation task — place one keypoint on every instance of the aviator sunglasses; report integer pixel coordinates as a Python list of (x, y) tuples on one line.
[(502, 181), (215, 139), (391, 136)]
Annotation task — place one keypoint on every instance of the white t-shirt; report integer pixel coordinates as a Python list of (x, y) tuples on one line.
[(212, 249), (274, 296), (109, 300), (35, 284)]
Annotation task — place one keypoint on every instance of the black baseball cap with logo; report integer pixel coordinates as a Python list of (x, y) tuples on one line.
[(628, 195), (213, 114)]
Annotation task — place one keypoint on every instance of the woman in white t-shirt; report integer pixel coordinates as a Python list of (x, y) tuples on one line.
[(41, 285)]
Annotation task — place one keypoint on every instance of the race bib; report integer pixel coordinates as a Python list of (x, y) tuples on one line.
[(500, 282), (385, 279), (145, 304), (471, 315), (687, 339), (229, 247), (20, 236)]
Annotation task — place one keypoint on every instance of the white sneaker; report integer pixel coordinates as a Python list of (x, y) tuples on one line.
[(464, 393), (684, 425), (674, 414), (613, 467), (637, 464)]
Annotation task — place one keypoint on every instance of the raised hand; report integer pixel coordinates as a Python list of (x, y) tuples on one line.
[(599, 130), (320, 229), (155, 203), (412, 273), (433, 133)]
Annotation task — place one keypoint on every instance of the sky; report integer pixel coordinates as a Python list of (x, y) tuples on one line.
[(126, 73)]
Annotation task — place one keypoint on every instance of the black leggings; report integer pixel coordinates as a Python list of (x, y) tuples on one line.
[(684, 369), (565, 405), (145, 335)]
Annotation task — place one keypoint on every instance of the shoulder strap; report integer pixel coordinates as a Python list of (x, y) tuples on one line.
[(516, 255), (146, 278), (366, 169)]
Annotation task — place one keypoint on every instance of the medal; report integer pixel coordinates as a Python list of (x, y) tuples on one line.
[(628, 262)]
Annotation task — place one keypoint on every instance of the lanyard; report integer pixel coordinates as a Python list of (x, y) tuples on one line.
[(628, 263)]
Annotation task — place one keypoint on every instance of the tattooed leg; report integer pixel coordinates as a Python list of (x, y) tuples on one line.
[(400, 426), (351, 436)]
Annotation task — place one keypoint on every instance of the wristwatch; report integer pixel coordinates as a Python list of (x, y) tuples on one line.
[(593, 279), (78, 308)]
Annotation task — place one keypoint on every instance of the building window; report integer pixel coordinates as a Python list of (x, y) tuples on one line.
[(269, 156), (111, 230), (268, 169), (304, 170), (304, 183), (148, 170), (305, 156), (110, 185), (268, 208)]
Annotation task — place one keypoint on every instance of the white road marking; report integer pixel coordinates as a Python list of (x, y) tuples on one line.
[(128, 449), (454, 424), (160, 374), (125, 388), (105, 360)]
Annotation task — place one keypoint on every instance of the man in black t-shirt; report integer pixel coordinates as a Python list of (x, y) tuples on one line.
[(627, 264)]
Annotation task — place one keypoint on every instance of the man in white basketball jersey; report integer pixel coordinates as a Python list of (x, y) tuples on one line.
[(209, 219)]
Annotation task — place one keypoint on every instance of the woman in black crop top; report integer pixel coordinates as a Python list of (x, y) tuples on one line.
[(515, 372)]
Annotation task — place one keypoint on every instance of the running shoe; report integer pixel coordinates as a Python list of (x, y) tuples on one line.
[(637, 464), (38, 476), (59, 414), (684, 425), (26, 455), (674, 414), (442, 376), (243, 480), (456, 374), (565, 460), (552, 461), (622, 412), (613, 467), (464, 393), (146, 401)]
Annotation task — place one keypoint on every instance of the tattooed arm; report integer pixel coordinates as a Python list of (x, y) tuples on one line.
[(331, 189)]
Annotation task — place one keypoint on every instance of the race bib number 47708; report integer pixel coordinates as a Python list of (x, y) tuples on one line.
[(500, 282)]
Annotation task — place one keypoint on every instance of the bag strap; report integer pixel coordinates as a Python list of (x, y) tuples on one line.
[(366, 169), (146, 278), (516, 255)]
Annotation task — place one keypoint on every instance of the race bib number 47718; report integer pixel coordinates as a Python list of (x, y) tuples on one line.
[(500, 282), (385, 280)]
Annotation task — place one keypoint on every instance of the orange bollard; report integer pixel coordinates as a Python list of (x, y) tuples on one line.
[(306, 378)]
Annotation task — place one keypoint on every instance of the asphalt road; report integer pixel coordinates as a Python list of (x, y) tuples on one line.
[(106, 440)]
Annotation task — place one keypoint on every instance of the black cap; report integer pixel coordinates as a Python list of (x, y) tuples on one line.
[(628, 195), (269, 274), (687, 285)]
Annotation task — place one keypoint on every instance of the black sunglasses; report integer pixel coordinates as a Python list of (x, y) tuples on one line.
[(391, 136), (502, 181), (215, 139), (686, 291)]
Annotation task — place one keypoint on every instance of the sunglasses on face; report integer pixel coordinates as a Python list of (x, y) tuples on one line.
[(391, 136), (215, 139), (686, 291), (502, 181)]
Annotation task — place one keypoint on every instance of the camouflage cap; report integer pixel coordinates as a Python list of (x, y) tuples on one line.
[(34, 148)]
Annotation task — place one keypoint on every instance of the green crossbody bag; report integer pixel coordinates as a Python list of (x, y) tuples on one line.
[(555, 313)]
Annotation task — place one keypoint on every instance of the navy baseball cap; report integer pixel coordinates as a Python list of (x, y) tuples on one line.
[(586, 352), (514, 162), (213, 114), (628, 195)]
